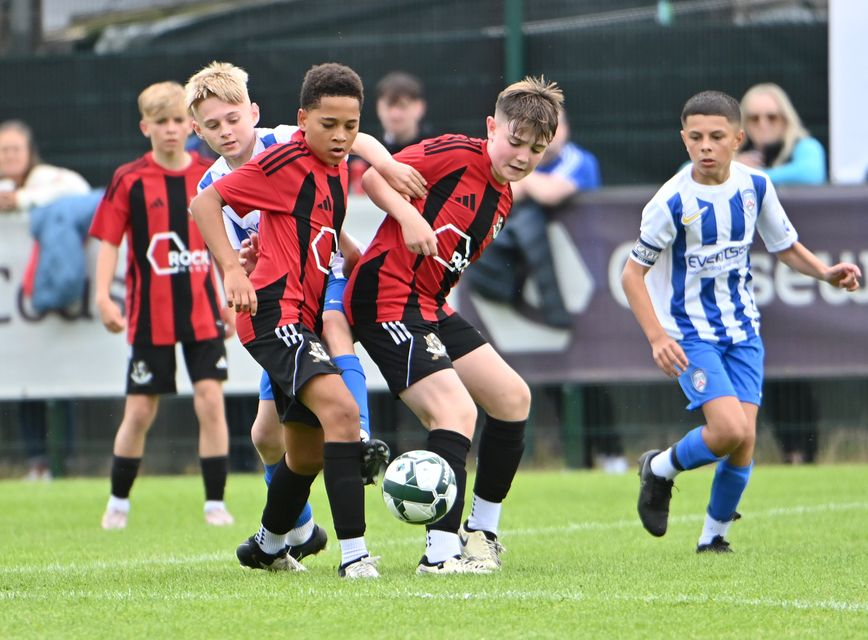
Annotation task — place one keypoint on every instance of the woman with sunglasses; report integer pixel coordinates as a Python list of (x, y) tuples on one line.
[(776, 141)]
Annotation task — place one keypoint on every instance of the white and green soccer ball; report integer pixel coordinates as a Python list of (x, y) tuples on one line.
[(419, 487)]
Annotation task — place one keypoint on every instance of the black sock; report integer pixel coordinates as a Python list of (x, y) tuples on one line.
[(343, 481), (452, 447), (287, 495), (124, 472), (214, 472), (500, 448)]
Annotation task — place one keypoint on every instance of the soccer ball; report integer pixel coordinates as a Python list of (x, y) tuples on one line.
[(419, 487)]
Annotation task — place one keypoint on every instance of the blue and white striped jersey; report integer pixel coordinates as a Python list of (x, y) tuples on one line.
[(696, 239), (238, 228)]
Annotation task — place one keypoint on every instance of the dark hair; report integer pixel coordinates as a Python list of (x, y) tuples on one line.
[(712, 103), (330, 79), (399, 84), (24, 129), (533, 103)]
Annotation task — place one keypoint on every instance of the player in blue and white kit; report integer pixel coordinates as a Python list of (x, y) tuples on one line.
[(226, 119), (688, 283)]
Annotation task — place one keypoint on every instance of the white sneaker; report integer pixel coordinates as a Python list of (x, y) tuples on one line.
[(219, 517), (481, 547), (458, 564), (114, 519), (365, 567)]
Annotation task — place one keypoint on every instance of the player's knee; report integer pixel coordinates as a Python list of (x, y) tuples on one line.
[(340, 420), (336, 333), (731, 430), (267, 437), (139, 414)]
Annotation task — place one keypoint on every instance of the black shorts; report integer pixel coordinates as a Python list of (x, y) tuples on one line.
[(406, 352), (292, 355), (151, 369)]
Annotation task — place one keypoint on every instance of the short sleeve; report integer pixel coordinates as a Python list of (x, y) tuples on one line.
[(656, 233), (247, 189), (772, 223), (112, 215)]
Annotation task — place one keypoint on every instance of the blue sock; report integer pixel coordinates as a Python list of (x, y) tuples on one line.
[(269, 471), (729, 483), (354, 377), (306, 514), (691, 451)]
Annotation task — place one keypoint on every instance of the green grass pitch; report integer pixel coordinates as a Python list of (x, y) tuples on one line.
[(578, 565)]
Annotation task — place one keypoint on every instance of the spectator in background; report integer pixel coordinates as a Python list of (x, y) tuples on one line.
[(522, 249), (26, 183), (401, 110), (778, 143)]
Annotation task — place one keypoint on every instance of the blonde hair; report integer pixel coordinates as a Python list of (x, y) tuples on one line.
[(222, 80), (794, 130), (161, 99), (532, 103)]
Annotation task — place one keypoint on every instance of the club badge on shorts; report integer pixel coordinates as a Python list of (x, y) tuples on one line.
[(699, 380)]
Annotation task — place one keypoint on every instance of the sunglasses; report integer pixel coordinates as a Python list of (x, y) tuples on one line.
[(773, 118)]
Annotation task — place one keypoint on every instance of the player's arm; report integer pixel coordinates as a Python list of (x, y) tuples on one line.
[(843, 275), (418, 235), (402, 177), (668, 354), (106, 264), (351, 250), (207, 210), (547, 189)]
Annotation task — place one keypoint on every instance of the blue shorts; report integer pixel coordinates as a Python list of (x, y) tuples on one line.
[(265, 392), (723, 370), (334, 297)]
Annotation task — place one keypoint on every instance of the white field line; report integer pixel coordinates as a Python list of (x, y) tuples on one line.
[(408, 540), (405, 594)]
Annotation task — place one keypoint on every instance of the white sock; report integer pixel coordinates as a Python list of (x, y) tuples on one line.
[(661, 465), (484, 515), (441, 545), (713, 528), (301, 534), (270, 542), (210, 505), (118, 504), (352, 549)]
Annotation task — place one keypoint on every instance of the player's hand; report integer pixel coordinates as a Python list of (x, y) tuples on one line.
[(843, 275), (228, 317), (240, 294), (404, 179), (418, 235), (669, 356), (110, 315), (249, 254)]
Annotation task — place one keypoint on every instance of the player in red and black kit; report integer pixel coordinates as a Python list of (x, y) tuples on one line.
[(300, 189), (171, 297), (432, 358)]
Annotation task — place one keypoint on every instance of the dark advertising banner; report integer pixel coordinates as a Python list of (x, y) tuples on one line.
[(809, 328)]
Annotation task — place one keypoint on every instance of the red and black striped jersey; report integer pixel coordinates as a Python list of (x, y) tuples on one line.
[(171, 294), (465, 206), (302, 202)]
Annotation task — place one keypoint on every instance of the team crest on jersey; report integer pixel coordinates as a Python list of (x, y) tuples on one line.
[(497, 227), (748, 198), (318, 353), (699, 380), (140, 373), (435, 347)]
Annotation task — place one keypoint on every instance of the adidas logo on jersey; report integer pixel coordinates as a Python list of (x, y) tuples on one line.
[(467, 201), (157, 203), (326, 204)]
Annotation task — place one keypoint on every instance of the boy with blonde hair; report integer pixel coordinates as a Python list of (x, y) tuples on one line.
[(435, 361), (226, 119), (171, 298)]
